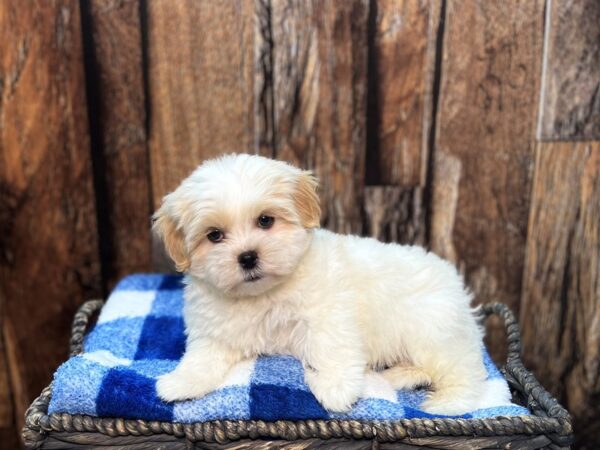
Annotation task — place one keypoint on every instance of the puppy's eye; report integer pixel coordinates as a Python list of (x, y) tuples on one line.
[(265, 222), (215, 236)]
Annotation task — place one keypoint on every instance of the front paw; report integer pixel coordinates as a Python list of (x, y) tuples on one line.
[(334, 391), (181, 385)]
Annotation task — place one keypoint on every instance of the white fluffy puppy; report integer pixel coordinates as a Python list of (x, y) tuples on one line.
[(262, 278)]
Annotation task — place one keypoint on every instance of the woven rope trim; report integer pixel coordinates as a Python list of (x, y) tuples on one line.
[(550, 418)]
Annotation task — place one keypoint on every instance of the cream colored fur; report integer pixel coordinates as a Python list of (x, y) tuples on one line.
[(342, 304)]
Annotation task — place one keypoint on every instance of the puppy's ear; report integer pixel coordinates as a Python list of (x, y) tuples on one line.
[(165, 226), (306, 200)]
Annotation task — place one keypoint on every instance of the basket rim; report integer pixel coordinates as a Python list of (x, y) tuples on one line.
[(547, 417)]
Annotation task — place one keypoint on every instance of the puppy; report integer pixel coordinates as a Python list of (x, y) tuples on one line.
[(263, 278)]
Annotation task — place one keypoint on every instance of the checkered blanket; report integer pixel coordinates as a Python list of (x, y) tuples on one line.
[(140, 335)]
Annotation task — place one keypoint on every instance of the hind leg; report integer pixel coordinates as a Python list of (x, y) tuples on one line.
[(452, 400), (457, 376), (406, 377), (457, 386)]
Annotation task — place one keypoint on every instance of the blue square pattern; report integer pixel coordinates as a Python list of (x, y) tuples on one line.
[(150, 282), (222, 404), (168, 302), (278, 391), (272, 402), (120, 337), (284, 371), (136, 342), (161, 338), (87, 376), (128, 394)]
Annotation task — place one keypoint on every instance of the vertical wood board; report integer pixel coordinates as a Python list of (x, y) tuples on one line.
[(570, 98), (560, 306), (394, 214), (483, 153), (201, 68), (320, 82), (6, 406), (403, 43), (400, 68), (48, 238), (116, 73)]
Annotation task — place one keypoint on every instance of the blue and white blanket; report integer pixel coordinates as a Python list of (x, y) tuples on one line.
[(140, 335)]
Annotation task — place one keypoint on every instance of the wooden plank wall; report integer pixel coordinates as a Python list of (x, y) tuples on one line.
[(117, 103), (403, 37), (471, 127), (570, 105), (560, 299), (49, 256), (561, 292), (483, 156)]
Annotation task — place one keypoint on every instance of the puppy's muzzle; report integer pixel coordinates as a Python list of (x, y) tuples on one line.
[(248, 260)]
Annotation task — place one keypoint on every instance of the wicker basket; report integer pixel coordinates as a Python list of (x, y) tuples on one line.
[(549, 426)]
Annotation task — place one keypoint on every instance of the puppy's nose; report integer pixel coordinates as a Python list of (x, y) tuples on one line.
[(248, 259)]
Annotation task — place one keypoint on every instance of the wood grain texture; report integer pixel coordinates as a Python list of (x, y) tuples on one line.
[(560, 306), (6, 406), (483, 152), (264, 101), (115, 76), (201, 70), (570, 106), (403, 39), (48, 242), (394, 214), (399, 65), (8, 427), (16, 368), (319, 95)]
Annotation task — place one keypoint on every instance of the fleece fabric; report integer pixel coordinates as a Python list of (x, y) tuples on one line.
[(140, 336)]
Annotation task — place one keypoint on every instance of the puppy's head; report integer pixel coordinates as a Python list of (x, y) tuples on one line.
[(240, 223)]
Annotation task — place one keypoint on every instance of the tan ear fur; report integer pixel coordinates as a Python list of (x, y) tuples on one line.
[(306, 200), (173, 238)]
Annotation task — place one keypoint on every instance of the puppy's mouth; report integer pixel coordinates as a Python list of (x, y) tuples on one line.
[(252, 277)]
